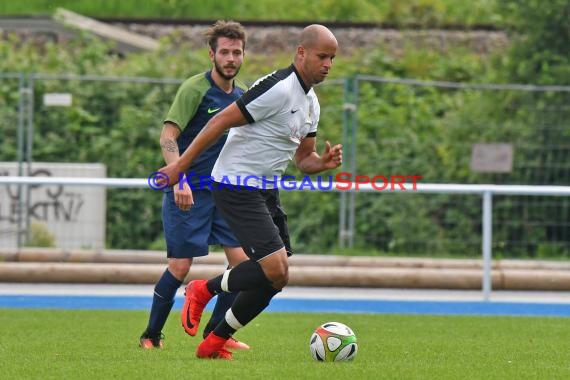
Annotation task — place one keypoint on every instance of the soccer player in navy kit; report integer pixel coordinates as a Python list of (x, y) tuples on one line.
[(275, 121), (190, 229)]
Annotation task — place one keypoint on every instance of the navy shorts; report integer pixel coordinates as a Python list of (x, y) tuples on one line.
[(189, 233), (256, 218)]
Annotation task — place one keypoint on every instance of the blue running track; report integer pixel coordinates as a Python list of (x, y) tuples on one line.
[(304, 305)]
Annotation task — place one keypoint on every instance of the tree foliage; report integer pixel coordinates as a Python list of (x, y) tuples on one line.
[(541, 36)]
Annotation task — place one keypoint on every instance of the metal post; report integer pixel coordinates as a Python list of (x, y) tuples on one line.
[(346, 225), (487, 243), (29, 152), (25, 110), (22, 91), (30, 123), (20, 154), (342, 198), (352, 196)]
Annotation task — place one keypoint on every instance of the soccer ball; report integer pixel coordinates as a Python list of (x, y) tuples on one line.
[(333, 342)]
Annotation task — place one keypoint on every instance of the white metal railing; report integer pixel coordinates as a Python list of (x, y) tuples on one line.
[(486, 191)]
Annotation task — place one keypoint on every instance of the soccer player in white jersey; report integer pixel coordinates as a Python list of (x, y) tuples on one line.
[(275, 122)]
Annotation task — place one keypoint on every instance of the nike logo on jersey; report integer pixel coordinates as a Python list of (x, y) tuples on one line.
[(212, 110), (294, 110)]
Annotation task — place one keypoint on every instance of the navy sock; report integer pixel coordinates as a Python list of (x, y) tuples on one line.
[(162, 301), (223, 303), (246, 275)]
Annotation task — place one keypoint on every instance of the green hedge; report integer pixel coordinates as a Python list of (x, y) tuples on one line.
[(417, 12)]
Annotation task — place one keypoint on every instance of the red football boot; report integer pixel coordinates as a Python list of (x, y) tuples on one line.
[(197, 297), (213, 348)]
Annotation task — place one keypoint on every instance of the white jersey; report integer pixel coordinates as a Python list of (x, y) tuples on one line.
[(281, 111)]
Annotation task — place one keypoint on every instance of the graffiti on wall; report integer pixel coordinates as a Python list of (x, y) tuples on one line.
[(45, 202), (74, 216)]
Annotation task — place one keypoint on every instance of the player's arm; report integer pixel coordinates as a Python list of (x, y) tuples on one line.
[(169, 147), (168, 144), (229, 117), (308, 160)]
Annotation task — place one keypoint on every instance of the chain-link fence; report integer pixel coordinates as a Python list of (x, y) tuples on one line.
[(86, 126), (459, 133), (445, 132)]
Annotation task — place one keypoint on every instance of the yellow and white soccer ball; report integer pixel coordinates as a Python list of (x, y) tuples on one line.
[(333, 342)]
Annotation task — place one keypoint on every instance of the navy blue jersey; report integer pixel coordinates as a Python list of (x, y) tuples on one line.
[(198, 99)]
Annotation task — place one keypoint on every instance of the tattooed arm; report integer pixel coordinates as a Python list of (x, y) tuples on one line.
[(168, 145), (170, 132)]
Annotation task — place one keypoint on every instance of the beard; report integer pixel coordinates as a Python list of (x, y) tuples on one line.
[(220, 70)]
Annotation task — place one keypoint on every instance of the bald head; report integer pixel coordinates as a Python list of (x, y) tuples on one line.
[(315, 53), (315, 35)]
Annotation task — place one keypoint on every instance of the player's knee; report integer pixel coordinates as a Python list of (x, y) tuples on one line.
[(281, 282), (276, 269), (280, 277), (179, 268)]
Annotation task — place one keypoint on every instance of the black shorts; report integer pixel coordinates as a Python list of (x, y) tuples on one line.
[(255, 217)]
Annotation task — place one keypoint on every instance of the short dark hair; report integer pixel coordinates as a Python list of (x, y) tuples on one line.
[(223, 28)]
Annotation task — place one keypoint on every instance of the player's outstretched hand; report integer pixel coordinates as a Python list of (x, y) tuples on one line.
[(332, 157)]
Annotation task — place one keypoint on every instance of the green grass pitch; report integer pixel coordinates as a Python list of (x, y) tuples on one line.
[(83, 344)]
